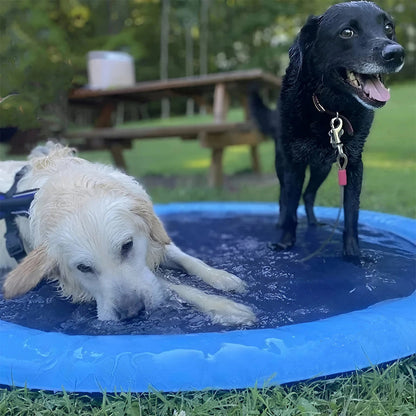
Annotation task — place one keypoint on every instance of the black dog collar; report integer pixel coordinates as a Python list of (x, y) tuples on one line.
[(14, 203)]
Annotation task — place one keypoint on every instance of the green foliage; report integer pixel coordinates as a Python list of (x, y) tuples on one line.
[(43, 53), (44, 43), (34, 61)]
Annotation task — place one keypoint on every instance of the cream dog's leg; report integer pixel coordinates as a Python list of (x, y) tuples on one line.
[(220, 279), (221, 310)]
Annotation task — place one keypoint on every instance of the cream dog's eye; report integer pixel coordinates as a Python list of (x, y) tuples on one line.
[(83, 268), (126, 248)]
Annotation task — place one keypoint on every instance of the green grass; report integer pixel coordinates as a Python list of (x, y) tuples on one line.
[(389, 163), (383, 392), (390, 173)]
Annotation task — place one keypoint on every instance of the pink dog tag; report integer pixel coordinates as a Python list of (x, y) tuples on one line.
[(342, 177)]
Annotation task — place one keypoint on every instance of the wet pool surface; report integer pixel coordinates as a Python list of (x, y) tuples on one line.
[(282, 290)]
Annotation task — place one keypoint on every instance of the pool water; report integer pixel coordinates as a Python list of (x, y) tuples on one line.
[(282, 290)]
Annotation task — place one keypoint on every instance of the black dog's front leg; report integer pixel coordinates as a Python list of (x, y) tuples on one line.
[(351, 208), (290, 196), (318, 174)]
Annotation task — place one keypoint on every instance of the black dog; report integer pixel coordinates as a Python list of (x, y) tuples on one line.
[(335, 66)]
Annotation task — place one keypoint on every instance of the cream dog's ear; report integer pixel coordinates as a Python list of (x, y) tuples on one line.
[(157, 231), (28, 273)]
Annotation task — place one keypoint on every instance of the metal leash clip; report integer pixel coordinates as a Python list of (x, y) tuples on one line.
[(336, 132)]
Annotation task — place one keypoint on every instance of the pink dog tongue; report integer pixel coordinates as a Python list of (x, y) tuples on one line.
[(376, 90)]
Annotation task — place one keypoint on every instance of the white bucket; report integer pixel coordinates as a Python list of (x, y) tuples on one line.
[(110, 70)]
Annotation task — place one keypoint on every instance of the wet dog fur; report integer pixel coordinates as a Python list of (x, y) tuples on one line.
[(340, 57), (93, 230)]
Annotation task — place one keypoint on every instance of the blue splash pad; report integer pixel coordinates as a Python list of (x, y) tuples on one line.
[(319, 318)]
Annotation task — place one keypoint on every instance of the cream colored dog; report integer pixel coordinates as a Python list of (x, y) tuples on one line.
[(92, 229)]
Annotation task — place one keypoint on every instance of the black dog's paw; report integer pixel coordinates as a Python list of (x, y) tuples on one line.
[(316, 223), (280, 246), (313, 222), (351, 249), (286, 242), (355, 260)]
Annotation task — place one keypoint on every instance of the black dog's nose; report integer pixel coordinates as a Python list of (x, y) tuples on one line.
[(393, 52)]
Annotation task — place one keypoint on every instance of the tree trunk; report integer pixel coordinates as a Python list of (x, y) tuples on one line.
[(203, 42), (189, 50), (164, 52), (203, 46)]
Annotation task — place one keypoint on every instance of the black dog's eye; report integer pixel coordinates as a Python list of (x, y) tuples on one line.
[(83, 268), (126, 248), (388, 29), (347, 33)]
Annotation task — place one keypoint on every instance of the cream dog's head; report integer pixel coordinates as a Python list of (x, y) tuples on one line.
[(95, 232)]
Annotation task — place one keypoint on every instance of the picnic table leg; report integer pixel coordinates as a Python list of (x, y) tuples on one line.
[(118, 158), (254, 149), (220, 109), (104, 118), (255, 159), (221, 103), (216, 177)]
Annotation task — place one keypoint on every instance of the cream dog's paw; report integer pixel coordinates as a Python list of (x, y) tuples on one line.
[(222, 280), (227, 312)]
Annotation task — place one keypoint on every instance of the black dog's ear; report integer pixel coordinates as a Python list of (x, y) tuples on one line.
[(304, 41)]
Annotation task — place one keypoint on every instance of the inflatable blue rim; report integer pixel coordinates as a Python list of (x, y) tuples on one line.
[(228, 360)]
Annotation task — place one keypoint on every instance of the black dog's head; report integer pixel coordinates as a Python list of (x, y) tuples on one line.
[(348, 49)]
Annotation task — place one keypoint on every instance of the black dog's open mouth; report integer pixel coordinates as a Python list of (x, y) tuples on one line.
[(368, 87)]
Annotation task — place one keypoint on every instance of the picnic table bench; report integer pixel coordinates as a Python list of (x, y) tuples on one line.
[(213, 91)]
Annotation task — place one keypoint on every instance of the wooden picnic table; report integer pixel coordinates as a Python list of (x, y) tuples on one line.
[(213, 91)]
